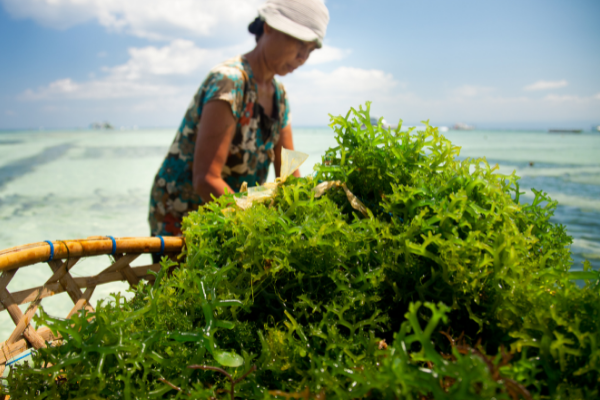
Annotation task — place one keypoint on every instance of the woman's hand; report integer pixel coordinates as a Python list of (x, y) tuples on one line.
[(213, 137), (285, 141)]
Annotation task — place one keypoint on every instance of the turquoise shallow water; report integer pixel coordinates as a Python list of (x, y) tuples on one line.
[(75, 184), (565, 166)]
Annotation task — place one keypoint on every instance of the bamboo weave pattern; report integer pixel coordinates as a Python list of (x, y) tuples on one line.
[(80, 289)]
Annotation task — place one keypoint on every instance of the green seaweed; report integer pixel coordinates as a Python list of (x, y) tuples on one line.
[(446, 287)]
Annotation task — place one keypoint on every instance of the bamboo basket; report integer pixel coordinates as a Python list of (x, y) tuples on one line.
[(62, 256)]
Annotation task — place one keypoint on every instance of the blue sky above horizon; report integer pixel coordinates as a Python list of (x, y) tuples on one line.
[(496, 64)]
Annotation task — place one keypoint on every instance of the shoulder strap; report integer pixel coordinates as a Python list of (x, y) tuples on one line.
[(246, 88)]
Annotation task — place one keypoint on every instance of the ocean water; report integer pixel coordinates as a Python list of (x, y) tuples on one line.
[(74, 184)]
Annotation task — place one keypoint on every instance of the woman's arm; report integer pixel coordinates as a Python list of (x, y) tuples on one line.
[(213, 137), (286, 141)]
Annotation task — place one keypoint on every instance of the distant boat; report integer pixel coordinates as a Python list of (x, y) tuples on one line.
[(101, 125), (565, 130), (443, 129), (374, 121), (462, 127)]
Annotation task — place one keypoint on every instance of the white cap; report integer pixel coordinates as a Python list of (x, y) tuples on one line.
[(303, 19)]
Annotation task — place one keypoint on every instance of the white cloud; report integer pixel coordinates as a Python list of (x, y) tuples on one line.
[(471, 91), (105, 89), (180, 57), (157, 82), (327, 54), (343, 81), (9, 112), (569, 98), (314, 93), (153, 78), (146, 73), (153, 19), (561, 98), (544, 85)]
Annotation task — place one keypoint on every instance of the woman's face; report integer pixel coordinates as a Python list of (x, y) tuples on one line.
[(284, 53)]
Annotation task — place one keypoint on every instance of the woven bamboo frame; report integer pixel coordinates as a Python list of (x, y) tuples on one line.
[(12, 260)]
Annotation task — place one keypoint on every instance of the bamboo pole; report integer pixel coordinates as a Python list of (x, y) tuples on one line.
[(33, 253)]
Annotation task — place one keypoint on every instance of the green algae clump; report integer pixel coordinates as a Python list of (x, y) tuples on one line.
[(441, 286)]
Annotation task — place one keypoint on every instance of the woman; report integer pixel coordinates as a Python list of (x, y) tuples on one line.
[(239, 119)]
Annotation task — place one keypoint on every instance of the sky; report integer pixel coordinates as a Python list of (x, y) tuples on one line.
[(497, 64)]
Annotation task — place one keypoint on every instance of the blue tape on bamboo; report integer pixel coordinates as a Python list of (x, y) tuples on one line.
[(114, 245), (162, 246), (51, 250), (15, 360)]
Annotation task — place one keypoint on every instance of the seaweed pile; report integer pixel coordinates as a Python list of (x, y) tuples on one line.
[(438, 285)]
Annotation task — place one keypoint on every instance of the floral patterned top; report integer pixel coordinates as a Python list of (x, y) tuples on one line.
[(250, 153)]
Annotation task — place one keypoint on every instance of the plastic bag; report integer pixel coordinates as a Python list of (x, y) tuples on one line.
[(291, 160), (322, 187)]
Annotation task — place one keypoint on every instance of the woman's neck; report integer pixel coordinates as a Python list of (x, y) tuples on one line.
[(260, 70)]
